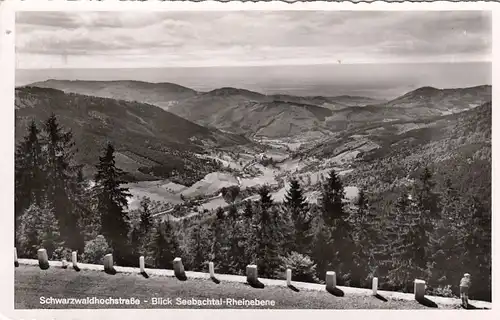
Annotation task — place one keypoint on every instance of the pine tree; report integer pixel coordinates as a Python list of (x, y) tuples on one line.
[(250, 227), (322, 250), (297, 206), (219, 247), (88, 220), (29, 173), (269, 235), (239, 237), (136, 242), (364, 230), (410, 251), (61, 173), (200, 242), (158, 248), (476, 240), (445, 244), (230, 194), (265, 201), (336, 221), (332, 200), (146, 221), (111, 204), (172, 244), (233, 213), (426, 198), (248, 210), (359, 215)]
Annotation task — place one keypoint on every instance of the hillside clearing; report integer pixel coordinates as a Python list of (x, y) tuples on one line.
[(31, 283)]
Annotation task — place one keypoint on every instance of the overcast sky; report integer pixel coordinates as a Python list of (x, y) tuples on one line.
[(190, 39)]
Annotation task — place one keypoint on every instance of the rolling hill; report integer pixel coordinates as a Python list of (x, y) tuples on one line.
[(162, 95), (429, 101), (254, 118), (150, 142)]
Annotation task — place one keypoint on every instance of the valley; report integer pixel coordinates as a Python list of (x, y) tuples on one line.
[(273, 167), (236, 137)]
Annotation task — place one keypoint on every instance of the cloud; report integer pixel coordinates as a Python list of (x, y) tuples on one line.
[(132, 39)]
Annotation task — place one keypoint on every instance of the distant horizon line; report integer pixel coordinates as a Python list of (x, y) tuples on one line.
[(261, 66)]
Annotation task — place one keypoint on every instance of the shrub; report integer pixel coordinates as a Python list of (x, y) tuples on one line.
[(441, 291), (95, 250), (303, 268), (61, 253)]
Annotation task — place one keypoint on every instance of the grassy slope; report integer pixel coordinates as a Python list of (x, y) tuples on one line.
[(31, 283)]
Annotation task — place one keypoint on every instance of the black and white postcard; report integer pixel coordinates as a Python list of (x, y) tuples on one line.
[(244, 156)]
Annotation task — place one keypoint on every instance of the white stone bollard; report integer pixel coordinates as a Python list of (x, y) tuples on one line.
[(419, 289), (331, 280), (43, 259), (141, 264), (288, 277), (74, 259), (252, 276), (179, 269), (108, 263), (16, 263), (375, 285), (211, 269)]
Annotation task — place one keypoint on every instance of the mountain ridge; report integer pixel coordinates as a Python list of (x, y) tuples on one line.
[(243, 111), (145, 136)]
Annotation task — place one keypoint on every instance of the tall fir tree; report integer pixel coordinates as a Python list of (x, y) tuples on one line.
[(136, 242), (30, 180), (339, 229), (426, 198), (322, 249), (248, 211), (158, 248), (269, 235), (251, 228), (89, 220), (476, 240), (112, 203), (332, 200), (146, 217), (364, 230), (445, 245), (220, 246), (172, 243), (298, 208), (61, 175), (410, 251), (200, 244)]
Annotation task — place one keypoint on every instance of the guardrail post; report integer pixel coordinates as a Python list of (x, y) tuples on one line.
[(43, 259)]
